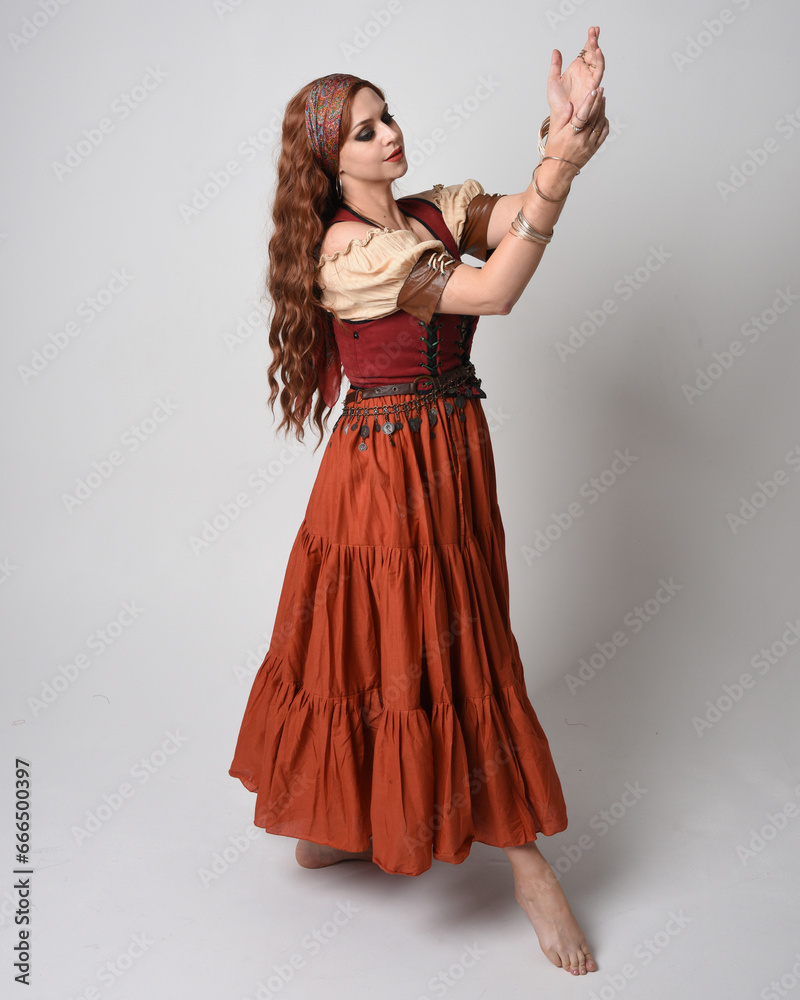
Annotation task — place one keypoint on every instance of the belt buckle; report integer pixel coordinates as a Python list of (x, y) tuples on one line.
[(422, 392)]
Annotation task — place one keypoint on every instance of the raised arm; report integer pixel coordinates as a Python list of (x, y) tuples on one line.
[(495, 288)]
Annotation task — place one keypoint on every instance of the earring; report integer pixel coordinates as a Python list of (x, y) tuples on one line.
[(338, 187)]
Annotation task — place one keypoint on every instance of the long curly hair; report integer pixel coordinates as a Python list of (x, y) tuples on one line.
[(301, 331)]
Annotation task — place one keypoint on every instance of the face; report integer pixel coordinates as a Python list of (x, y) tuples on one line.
[(372, 136)]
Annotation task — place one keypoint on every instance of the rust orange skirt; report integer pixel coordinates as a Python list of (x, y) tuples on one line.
[(391, 703)]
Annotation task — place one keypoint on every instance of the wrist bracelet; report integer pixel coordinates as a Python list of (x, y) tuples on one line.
[(555, 201), (544, 128), (577, 168)]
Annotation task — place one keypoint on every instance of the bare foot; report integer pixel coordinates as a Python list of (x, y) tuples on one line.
[(311, 855), (538, 892)]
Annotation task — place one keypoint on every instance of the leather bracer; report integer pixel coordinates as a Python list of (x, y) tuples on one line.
[(476, 226), (425, 283)]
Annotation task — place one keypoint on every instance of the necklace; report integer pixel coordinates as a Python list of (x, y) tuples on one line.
[(378, 224)]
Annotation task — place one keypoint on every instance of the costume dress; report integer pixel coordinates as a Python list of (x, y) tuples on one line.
[(391, 703)]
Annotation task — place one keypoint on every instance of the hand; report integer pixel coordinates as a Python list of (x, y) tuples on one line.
[(578, 79), (579, 147)]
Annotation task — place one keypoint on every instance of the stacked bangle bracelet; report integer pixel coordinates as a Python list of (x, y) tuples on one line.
[(520, 227), (523, 230)]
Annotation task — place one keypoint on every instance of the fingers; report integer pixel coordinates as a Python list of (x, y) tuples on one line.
[(555, 67), (590, 105), (566, 115)]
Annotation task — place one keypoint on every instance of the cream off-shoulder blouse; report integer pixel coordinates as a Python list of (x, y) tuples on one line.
[(363, 280)]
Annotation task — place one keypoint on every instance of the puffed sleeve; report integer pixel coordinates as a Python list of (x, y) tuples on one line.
[(466, 209), (365, 280)]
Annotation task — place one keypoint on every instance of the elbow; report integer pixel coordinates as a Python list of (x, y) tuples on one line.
[(504, 307)]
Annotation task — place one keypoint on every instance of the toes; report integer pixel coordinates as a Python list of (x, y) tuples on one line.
[(579, 963), (575, 961)]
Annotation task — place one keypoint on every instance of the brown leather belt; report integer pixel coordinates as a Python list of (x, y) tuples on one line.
[(456, 376)]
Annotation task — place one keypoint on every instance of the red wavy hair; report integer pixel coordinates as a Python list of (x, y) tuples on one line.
[(301, 331)]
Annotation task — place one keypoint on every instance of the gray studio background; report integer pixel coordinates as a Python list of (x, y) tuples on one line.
[(657, 615)]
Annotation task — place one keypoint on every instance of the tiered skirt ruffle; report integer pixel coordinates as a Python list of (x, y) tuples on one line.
[(391, 703)]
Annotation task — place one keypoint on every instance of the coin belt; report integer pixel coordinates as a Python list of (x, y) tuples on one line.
[(419, 402)]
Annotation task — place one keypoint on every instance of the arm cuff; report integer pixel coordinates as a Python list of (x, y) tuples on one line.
[(476, 226), (425, 283)]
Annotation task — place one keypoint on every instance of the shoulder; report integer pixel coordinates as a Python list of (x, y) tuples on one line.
[(429, 195), (340, 235), (453, 202), (440, 194)]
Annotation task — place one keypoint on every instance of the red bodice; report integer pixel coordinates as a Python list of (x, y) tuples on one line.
[(399, 347)]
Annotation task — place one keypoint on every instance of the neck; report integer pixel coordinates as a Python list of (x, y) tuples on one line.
[(375, 202)]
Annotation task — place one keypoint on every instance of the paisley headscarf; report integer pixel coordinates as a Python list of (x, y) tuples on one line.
[(324, 106), (323, 117)]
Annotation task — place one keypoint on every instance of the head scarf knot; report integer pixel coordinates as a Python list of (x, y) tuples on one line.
[(323, 117)]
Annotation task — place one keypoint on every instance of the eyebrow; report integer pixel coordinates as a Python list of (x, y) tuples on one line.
[(368, 120)]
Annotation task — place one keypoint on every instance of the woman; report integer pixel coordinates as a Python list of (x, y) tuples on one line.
[(389, 720)]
